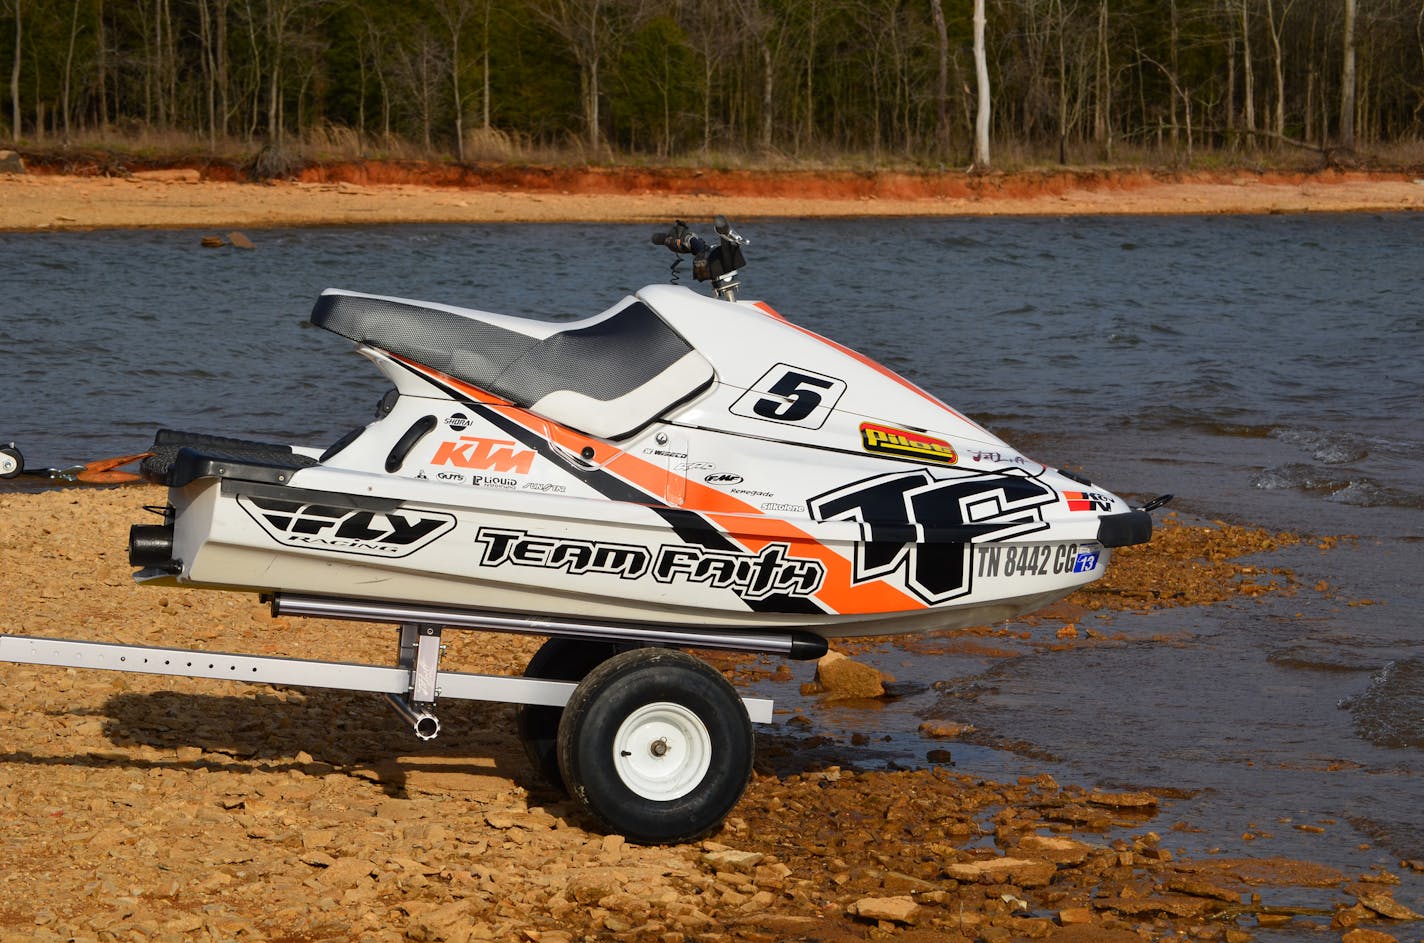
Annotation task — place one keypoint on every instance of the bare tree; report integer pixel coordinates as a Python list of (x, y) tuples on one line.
[(15, 73), (593, 33), (1347, 80), (454, 14), (941, 76), (1102, 104), (1278, 115), (981, 76), (1248, 90)]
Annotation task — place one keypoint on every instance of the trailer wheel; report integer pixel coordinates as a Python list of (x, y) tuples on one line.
[(656, 745), (11, 461), (558, 659)]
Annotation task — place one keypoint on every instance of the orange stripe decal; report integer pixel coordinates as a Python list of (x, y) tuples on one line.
[(730, 514)]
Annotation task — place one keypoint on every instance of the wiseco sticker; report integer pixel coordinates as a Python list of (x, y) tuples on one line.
[(887, 440)]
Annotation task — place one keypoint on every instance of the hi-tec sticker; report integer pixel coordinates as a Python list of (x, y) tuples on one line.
[(749, 575), (394, 533), (793, 395), (887, 440)]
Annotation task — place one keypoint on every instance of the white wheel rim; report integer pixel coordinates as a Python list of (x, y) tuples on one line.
[(662, 751), (8, 463)]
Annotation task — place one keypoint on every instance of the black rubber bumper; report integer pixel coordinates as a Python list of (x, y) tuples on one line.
[(1125, 529)]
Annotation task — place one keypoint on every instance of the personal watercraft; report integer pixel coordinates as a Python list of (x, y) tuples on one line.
[(678, 471)]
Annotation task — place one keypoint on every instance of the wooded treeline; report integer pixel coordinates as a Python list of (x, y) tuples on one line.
[(1080, 80)]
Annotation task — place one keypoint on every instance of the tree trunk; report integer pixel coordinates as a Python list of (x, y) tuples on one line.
[(1062, 87), (1248, 90), (15, 78), (942, 79), (205, 36), (224, 104), (1278, 119), (768, 76), (1102, 115), (981, 76), (1347, 81), (485, 69), (459, 102), (69, 69), (102, 92)]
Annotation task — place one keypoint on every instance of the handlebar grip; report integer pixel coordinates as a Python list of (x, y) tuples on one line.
[(683, 242)]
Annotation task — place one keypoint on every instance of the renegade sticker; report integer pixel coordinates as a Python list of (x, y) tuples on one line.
[(886, 440), (394, 533)]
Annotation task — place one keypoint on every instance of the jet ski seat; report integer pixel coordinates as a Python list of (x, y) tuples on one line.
[(608, 375)]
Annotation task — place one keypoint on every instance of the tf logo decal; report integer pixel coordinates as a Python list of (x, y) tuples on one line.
[(900, 514)]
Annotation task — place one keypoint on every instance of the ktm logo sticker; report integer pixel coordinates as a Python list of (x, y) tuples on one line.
[(498, 455), (887, 440)]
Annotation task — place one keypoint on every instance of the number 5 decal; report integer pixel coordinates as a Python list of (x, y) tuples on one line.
[(792, 395)]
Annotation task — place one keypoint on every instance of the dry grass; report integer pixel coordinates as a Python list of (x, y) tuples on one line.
[(331, 142)]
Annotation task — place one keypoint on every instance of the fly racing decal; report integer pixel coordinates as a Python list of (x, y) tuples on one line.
[(904, 518), (390, 533)]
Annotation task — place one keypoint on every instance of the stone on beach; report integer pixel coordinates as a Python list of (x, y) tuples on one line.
[(893, 909), (1023, 872), (840, 678), (10, 163)]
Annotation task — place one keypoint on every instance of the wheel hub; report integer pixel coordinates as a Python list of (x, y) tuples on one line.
[(662, 751)]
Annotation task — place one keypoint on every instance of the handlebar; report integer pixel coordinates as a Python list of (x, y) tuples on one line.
[(718, 263), (685, 242)]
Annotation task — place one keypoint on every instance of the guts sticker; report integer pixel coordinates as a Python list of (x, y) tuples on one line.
[(901, 443)]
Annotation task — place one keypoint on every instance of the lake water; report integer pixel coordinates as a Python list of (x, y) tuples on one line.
[(1267, 370)]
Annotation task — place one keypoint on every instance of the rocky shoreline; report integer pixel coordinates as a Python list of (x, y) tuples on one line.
[(142, 808)]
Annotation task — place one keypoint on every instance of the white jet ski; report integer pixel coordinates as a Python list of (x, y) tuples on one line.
[(678, 471), (677, 460)]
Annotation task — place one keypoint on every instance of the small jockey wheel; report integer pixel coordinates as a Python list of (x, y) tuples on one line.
[(656, 745), (11, 461)]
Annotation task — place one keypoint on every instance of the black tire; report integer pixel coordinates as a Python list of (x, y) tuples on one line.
[(656, 745), (558, 659), (12, 463)]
